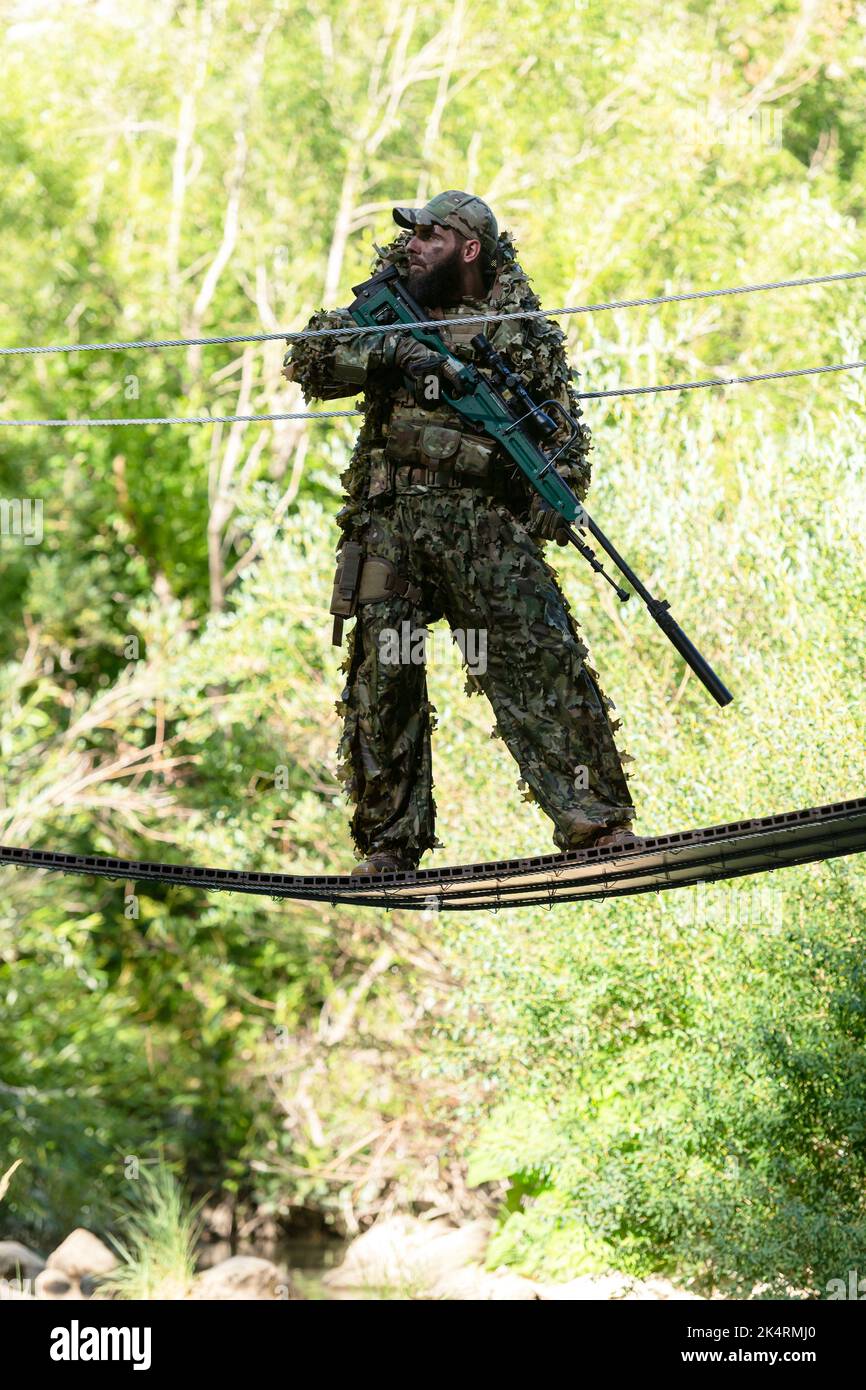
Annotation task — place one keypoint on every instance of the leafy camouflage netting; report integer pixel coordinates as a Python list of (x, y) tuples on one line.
[(533, 347), (470, 556)]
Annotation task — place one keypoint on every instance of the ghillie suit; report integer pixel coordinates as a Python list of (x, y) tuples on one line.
[(439, 522)]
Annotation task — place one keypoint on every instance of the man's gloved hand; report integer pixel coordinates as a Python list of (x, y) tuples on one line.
[(545, 523), (431, 372), (411, 356)]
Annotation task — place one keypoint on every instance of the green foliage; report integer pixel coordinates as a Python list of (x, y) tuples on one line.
[(159, 1235), (669, 1084), (708, 1119)]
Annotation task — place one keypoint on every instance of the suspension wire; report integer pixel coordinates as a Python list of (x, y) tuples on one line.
[(721, 381), (143, 343), (341, 414), (189, 419)]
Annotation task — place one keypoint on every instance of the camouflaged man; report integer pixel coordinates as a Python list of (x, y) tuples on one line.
[(439, 522)]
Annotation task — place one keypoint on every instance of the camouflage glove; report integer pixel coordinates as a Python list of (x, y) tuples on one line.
[(545, 523), (431, 372)]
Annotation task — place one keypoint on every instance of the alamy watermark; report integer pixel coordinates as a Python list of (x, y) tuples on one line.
[(22, 517), (743, 130), (414, 646), (719, 904), (77, 1343), (851, 1288)]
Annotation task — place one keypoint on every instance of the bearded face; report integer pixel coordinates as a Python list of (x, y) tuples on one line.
[(436, 284)]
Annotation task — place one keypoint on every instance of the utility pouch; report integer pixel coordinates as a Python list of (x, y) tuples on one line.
[(344, 598), (447, 452), (438, 450), (475, 456), (438, 444), (402, 443), (364, 580), (380, 580)]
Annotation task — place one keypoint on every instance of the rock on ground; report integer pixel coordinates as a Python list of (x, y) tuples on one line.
[(435, 1260), (479, 1285), (244, 1277), (404, 1250), (82, 1253), (56, 1283), (17, 1261)]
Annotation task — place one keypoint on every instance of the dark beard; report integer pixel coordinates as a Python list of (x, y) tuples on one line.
[(438, 288)]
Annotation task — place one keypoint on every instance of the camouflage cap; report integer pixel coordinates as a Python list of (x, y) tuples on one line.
[(461, 211)]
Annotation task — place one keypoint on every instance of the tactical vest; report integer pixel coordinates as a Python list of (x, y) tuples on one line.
[(413, 448), (424, 447)]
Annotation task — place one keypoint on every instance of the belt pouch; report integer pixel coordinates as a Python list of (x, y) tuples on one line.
[(344, 598)]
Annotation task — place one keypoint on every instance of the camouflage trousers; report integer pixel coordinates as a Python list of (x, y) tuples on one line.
[(478, 567)]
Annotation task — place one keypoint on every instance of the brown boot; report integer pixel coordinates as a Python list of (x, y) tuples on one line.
[(587, 834), (385, 862), (614, 835)]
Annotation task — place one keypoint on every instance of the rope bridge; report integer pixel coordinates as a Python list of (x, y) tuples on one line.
[(654, 864)]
